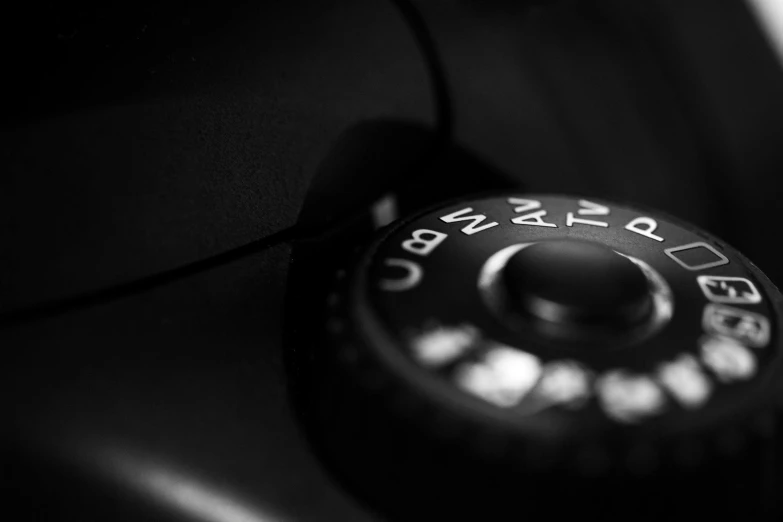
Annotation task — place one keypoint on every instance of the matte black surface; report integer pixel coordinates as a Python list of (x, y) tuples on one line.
[(115, 191), (182, 387)]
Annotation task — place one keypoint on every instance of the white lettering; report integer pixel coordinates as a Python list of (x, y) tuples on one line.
[(728, 359), (592, 209), (628, 398), (649, 225), (405, 283), (384, 211), (525, 204), (534, 218), (684, 379), (442, 345), (570, 220), (743, 325), (503, 378), (476, 219), (421, 246), (564, 382)]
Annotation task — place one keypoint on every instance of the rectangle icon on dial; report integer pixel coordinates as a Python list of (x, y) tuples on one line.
[(724, 289), (697, 256), (745, 326)]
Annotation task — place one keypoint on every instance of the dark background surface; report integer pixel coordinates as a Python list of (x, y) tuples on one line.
[(139, 138)]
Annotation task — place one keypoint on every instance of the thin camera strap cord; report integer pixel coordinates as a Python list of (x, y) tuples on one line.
[(444, 110), (444, 123), (138, 286)]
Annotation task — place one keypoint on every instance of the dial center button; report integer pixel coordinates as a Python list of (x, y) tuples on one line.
[(576, 282)]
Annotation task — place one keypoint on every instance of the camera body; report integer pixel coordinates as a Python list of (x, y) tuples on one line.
[(161, 166)]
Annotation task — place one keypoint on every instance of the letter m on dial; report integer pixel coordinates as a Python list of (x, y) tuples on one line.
[(475, 221)]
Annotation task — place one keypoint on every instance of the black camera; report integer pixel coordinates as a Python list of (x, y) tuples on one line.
[(393, 260)]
